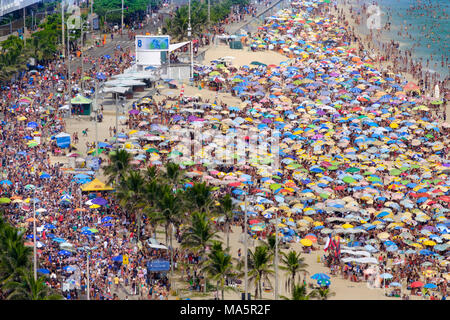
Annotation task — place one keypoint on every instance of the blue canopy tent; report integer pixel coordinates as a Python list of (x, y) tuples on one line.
[(63, 140), (158, 265)]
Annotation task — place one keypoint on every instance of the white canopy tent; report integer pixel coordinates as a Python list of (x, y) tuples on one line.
[(175, 46), (124, 83), (121, 90)]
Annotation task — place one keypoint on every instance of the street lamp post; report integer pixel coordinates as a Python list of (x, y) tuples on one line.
[(190, 40), (245, 249), (96, 116), (62, 27), (80, 194), (276, 255), (121, 28), (88, 280), (24, 26), (34, 235), (117, 119)]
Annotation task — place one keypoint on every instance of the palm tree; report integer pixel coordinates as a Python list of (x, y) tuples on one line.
[(151, 174), (119, 165), (130, 192), (271, 243), (324, 293), (173, 173), (169, 211), (30, 289), (293, 264), (259, 266), (226, 208), (300, 293), (218, 265), (14, 258), (198, 235), (199, 197)]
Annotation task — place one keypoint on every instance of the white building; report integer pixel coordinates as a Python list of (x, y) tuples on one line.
[(8, 6)]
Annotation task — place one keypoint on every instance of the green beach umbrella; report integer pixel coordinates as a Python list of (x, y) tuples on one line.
[(257, 63), (352, 170), (275, 186), (395, 172), (5, 200), (349, 179)]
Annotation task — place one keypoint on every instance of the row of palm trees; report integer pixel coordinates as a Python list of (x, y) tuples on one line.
[(17, 280), (162, 196), (177, 25)]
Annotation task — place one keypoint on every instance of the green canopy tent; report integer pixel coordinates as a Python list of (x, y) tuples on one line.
[(85, 103)]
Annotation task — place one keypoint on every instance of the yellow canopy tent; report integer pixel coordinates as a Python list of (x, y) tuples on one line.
[(95, 185)]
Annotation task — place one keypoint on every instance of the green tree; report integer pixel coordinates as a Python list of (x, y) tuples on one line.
[(173, 174), (218, 265), (259, 267), (199, 197), (130, 192), (30, 289), (198, 235), (293, 263), (119, 165), (324, 293), (226, 209), (300, 292)]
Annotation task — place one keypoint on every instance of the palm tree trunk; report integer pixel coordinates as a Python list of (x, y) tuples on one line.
[(293, 281), (260, 288), (166, 227), (228, 234), (171, 262), (204, 274)]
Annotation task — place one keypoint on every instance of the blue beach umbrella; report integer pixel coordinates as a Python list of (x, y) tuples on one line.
[(7, 182), (43, 271), (106, 219), (320, 276), (117, 258), (395, 284)]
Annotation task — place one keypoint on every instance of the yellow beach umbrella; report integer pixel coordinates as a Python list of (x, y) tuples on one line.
[(306, 242), (416, 245), (429, 243), (383, 235)]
